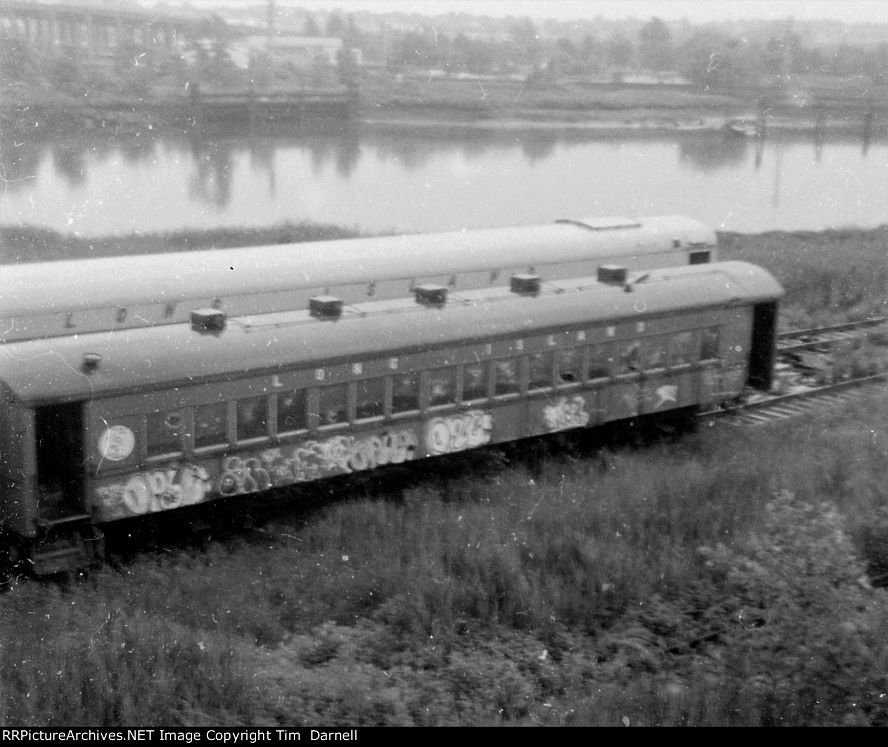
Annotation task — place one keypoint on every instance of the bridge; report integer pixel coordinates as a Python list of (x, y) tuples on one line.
[(99, 34), (97, 31)]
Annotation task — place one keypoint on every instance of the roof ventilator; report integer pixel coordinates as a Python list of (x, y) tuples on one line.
[(612, 274), (431, 295), (207, 320), (525, 284), (325, 307), (91, 362)]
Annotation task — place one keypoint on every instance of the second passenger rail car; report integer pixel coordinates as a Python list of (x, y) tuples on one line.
[(100, 427), (75, 297)]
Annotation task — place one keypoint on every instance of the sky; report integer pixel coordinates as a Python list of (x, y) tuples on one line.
[(698, 11)]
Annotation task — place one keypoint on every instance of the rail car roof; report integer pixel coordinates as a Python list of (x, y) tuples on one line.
[(126, 281), (135, 359)]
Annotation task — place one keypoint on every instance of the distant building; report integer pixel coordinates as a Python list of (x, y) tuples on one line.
[(300, 51)]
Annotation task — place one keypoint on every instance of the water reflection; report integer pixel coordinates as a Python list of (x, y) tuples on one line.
[(438, 179), (262, 162), (778, 171), (211, 180), (70, 163), (347, 153), (422, 146), (819, 131), (19, 163), (868, 119), (537, 148), (712, 151), (136, 150)]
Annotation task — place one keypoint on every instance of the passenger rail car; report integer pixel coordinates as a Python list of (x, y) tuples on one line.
[(100, 427), (62, 298)]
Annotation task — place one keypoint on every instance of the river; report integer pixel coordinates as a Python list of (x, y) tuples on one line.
[(422, 180)]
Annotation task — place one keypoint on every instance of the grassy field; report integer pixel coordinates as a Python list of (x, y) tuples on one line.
[(723, 579), (829, 276), (30, 244), (718, 580)]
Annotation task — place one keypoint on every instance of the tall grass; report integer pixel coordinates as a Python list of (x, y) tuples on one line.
[(719, 580), (799, 630), (829, 276), (34, 244), (84, 657)]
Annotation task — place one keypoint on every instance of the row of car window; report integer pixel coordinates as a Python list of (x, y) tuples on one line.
[(402, 392)]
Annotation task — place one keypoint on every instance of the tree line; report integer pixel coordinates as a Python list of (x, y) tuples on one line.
[(709, 57)]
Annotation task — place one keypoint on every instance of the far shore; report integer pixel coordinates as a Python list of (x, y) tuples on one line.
[(649, 114), (618, 123)]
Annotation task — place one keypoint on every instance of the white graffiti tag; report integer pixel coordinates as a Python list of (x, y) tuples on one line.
[(154, 490), (243, 476), (174, 486), (566, 413), (666, 394), (313, 460), (458, 432)]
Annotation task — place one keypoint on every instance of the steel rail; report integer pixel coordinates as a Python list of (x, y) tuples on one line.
[(792, 404), (800, 339), (844, 327)]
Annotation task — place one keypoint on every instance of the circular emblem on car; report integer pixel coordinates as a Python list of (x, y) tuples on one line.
[(116, 443)]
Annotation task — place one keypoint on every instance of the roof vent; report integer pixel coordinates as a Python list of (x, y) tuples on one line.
[(207, 320), (91, 362), (325, 307), (431, 295), (612, 274), (525, 284)]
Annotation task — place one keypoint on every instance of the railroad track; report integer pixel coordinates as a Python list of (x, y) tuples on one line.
[(826, 337), (802, 353), (772, 408)]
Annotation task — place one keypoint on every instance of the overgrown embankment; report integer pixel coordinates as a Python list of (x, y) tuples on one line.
[(720, 580), (31, 244), (830, 276)]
